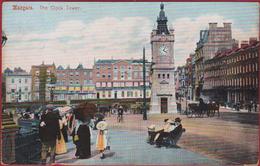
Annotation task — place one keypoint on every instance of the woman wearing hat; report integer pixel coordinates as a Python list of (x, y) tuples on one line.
[(101, 143), (81, 131)]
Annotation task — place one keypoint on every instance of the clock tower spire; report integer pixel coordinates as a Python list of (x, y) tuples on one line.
[(162, 22)]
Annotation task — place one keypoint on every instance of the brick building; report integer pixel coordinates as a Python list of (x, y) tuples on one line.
[(211, 40), (232, 75), (74, 84), (41, 78), (120, 78)]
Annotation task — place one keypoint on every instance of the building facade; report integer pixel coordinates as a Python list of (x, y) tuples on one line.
[(119, 79), (74, 84), (163, 86), (211, 41), (181, 84), (190, 76), (18, 86), (232, 75), (42, 76)]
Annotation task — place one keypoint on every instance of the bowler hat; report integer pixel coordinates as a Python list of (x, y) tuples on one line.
[(177, 119)]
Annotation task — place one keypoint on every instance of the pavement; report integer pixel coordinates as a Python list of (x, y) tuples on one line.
[(231, 139), (130, 147)]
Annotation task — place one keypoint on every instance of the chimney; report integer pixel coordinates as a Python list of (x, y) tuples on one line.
[(235, 43), (252, 40), (244, 43), (227, 25), (213, 25), (201, 31)]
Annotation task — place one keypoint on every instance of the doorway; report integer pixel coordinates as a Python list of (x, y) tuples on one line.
[(164, 105)]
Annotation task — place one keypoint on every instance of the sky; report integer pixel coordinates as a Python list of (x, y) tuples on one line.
[(53, 32)]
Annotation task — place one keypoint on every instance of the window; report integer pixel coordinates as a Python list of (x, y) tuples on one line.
[(71, 73), (104, 67), (168, 76), (98, 84), (13, 90), (77, 73), (103, 84), (122, 75), (97, 67), (163, 76), (159, 75), (104, 94), (128, 93), (109, 67), (115, 75), (12, 80), (122, 94), (136, 94), (26, 88), (25, 80), (20, 80), (109, 94), (98, 75), (103, 76), (109, 75)]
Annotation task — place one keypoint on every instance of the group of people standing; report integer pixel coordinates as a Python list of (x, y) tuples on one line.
[(54, 130)]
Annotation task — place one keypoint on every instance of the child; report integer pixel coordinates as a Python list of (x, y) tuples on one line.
[(101, 143)]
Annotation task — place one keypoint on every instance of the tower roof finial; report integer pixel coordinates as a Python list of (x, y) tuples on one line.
[(162, 6)]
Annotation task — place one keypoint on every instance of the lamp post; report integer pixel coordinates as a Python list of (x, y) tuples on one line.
[(186, 94), (51, 87), (144, 89)]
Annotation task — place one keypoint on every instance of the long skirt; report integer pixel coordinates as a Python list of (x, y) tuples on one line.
[(61, 146), (83, 144), (101, 143)]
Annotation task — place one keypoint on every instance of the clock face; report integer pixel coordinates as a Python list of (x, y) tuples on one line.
[(163, 50)]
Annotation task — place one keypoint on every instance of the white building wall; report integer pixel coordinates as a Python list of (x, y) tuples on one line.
[(18, 89)]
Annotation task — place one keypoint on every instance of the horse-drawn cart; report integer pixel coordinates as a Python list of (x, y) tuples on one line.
[(196, 110)]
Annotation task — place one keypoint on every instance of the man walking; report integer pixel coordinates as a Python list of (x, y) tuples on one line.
[(49, 132), (120, 114)]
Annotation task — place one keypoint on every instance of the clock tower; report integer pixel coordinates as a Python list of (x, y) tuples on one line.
[(163, 87)]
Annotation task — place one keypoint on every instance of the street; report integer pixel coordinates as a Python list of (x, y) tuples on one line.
[(209, 141)]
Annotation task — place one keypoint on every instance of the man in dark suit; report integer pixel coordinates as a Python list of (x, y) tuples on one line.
[(49, 132)]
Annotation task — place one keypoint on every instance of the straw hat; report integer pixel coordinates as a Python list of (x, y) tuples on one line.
[(102, 125), (169, 121), (151, 127)]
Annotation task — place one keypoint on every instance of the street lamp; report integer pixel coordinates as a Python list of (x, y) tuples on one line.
[(144, 89)]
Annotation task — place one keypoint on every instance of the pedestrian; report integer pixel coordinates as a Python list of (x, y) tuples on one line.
[(64, 128), (61, 146), (120, 114), (250, 105), (255, 104), (49, 132), (101, 143), (82, 131)]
